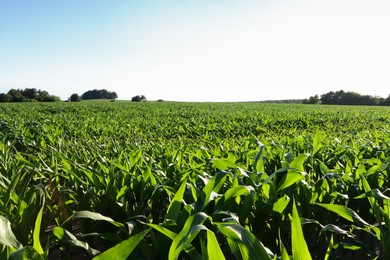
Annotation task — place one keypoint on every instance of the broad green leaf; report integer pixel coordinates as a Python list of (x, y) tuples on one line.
[(68, 238), (27, 253), (237, 191), (281, 204), (190, 250), (175, 205), (259, 160), (223, 164), (210, 191), (213, 249), (324, 169), (190, 230), (92, 215), (163, 230), (7, 237), (360, 171), (297, 163), (123, 249), (37, 231), (250, 247), (344, 212), (97, 217), (317, 141), (300, 250), (289, 179)]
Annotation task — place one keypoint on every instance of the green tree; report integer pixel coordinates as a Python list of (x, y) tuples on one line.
[(386, 102), (5, 97), (312, 100), (99, 94), (16, 95), (30, 93), (75, 98), (138, 98)]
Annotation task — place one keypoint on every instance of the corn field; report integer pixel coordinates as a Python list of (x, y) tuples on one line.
[(166, 180)]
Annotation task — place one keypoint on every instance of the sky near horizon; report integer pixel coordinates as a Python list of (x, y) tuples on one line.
[(196, 50)]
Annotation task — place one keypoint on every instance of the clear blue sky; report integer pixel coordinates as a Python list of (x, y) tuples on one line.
[(196, 50)]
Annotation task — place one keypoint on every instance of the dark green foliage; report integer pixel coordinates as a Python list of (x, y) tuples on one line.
[(98, 94), (75, 98), (138, 98), (347, 98), (312, 100), (5, 97), (28, 95)]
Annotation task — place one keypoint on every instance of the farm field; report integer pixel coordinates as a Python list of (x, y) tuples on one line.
[(167, 180)]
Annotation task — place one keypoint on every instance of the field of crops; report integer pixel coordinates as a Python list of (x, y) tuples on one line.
[(162, 180)]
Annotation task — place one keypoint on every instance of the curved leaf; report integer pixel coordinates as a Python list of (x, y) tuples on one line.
[(191, 228), (249, 246), (123, 249), (344, 212), (7, 237), (68, 238)]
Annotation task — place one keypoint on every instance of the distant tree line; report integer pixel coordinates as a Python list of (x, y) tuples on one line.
[(28, 95), (37, 95), (282, 101), (347, 98)]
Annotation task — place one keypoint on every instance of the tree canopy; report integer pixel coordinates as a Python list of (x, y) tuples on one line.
[(138, 98), (28, 95), (75, 98), (99, 94)]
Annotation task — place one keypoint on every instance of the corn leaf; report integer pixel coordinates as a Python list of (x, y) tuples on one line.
[(210, 191), (299, 247), (345, 213), (289, 179), (123, 249), (7, 237), (175, 205), (374, 193), (96, 216), (68, 238), (223, 164), (317, 141), (213, 249), (27, 253), (190, 230), (329, 249), (259, 160), (281, 204), (37, 231), (297, 163), (237, 191), (163, 230), (249, 246)]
